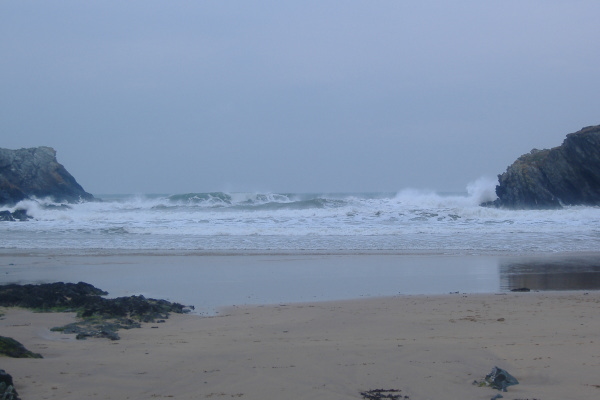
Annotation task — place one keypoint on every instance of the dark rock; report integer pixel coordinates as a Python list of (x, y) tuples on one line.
[(5, 378), (57, 296), (17, 215), (499, 379), (100, 317), (35, 173), (6, 215), (522, 289), (7, 390), (20, 215), (11, 348), (380, 394), (547, 179), (95, 329), (86, 299), (138, 307)]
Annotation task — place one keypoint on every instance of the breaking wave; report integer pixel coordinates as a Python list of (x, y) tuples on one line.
[(410, 220)]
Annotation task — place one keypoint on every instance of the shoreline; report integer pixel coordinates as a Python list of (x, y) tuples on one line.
[(426, 346), (210, 282), (72, 252)]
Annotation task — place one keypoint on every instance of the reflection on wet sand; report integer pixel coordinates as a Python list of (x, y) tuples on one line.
[(551, 273)]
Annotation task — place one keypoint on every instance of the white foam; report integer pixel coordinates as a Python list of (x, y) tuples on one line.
[(482, 190), (412, 219)]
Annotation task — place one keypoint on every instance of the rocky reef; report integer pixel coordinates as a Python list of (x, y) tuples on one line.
[(98, 316), (548, 179), (35, 173)]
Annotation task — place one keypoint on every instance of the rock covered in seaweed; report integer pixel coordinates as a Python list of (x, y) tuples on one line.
[(14, 349), (56, 296), (7, 389), (546, 179), (35, 172), (100, 317)]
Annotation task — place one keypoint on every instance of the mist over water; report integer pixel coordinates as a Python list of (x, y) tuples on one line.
[(403, 222)]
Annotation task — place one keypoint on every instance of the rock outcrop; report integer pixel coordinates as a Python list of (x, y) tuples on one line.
[(100, 317), (548, 179), (17, 215), (7, 389), (11, 348), (35, 172)]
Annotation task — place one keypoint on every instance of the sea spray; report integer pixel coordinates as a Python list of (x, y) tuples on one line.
[(482, 190), (477, 192), (410, 220)]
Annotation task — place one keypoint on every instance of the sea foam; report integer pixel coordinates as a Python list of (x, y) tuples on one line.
[(409, 220)]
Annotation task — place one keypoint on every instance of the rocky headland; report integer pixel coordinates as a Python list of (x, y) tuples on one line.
[(549, 179), (35, 173)]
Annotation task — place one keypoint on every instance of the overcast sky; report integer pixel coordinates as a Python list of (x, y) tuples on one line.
[(294, 96)]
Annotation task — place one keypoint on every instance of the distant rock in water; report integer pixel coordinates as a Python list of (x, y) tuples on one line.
[(547, 179), (34, 172), (17, 215)]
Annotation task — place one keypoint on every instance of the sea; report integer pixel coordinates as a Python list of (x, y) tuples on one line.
[(404, 222), (216, 249)]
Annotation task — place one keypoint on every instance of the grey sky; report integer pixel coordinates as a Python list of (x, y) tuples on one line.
[(303, 96)]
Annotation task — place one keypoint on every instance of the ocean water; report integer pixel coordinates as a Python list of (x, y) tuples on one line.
[(219, 249), (406, 222)]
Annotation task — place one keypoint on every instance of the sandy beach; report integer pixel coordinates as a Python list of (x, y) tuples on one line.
[(429, 347)]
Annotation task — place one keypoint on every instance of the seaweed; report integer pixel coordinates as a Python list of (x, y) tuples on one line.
[(14, 349), (99, 316), (380, 394)]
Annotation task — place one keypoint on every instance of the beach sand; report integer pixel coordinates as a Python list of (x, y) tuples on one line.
[(429, 347)]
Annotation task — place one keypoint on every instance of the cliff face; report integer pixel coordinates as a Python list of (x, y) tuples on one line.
[(34, 172), (564, 175)]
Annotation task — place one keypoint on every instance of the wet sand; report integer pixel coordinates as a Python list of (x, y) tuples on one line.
[(429, 347), (210, 281)]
